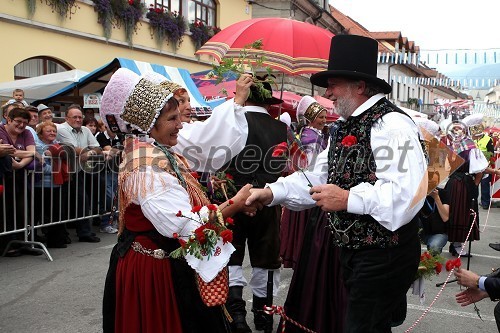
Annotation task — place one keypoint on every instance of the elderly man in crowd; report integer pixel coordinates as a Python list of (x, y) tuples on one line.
[(84, 143)]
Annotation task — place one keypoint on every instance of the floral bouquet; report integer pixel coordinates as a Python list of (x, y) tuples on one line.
[(203, 240), (207, 250), (430, 264), (453, 263)]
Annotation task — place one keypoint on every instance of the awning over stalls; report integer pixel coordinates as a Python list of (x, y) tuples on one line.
[(219, 92), (41, 86), (97, 80)]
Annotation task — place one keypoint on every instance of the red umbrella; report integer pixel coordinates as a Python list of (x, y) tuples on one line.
[(290, 46)]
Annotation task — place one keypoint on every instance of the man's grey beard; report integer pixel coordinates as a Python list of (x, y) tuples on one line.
[(345, 106)]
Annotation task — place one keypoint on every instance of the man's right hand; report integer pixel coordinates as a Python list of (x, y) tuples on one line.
[(243, 88), (260, 197)]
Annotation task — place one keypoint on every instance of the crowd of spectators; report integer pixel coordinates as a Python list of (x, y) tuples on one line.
[(62, 175)]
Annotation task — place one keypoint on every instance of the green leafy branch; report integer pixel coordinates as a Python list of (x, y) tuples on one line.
[(249, 62)]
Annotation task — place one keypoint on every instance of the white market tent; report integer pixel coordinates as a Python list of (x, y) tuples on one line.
[(96, 81), (41, 86)]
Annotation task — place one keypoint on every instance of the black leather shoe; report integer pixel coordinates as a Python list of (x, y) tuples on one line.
[(452, 250), (57, 245), (13, 253), (89, 239), (31, 251), (495, 246)]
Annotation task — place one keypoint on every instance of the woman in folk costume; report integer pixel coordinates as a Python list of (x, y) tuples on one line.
[(462, 185), (307, 247), (311, 117), (146, 290)]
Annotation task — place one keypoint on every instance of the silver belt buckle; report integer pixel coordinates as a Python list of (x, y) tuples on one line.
[(158, 254)]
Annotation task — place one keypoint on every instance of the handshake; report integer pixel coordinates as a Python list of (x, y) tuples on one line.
[(327, 196)]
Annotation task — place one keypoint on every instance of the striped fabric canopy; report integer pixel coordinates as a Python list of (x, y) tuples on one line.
[(96, 80), (290, 46), (179, 75)]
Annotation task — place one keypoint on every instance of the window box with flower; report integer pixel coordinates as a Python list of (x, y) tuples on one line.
[(201, 33), (63, 8), (105, 15), (165, 25), (128, 13)]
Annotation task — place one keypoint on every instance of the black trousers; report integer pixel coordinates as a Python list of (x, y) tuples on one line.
[(377, 281), (262, 234), (497, 315)]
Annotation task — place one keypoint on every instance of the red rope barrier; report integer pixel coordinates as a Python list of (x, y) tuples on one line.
[(447, 278), (276, 309)]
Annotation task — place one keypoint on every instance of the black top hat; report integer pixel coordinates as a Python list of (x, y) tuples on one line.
[(257, 97), (354, 57)]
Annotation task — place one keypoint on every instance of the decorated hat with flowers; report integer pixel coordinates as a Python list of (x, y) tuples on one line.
[(309, 108), (130, 100)]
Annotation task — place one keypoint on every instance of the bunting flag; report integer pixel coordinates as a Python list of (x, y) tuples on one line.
[(442, 57), (447, 82), (461, 57)]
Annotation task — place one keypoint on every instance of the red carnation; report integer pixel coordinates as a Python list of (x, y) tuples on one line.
[(453, 263), (228, 176), (227, 236), (196, 209), (200, 234), (230, 220), (230, 201), (349, 140), (175, 235), (280, 149), (438, 268), (182, 242), (212, 207), (179, 214), (195, 175)]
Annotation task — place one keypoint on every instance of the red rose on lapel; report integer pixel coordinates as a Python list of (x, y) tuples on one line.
[(349, 140)]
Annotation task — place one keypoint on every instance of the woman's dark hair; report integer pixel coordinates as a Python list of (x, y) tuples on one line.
[(89, 120), (19, 112)]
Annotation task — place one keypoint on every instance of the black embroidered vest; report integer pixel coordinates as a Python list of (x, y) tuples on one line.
[(255, 164), (349, 166)]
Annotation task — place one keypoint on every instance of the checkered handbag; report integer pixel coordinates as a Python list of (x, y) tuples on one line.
[(215, 292)]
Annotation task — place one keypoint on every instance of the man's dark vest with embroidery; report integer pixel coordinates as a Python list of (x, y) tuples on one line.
[(255, 164), (350, 166)]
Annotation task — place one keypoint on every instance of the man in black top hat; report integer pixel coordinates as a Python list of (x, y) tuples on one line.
[(371, 181), (255, 165)]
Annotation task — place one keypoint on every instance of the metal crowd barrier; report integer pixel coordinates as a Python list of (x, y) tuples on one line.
[(21, 214)]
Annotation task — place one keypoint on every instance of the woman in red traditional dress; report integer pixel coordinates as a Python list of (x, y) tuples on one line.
[(146, 290)]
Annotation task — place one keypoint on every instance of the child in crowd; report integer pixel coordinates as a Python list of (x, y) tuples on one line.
[(18, 95)]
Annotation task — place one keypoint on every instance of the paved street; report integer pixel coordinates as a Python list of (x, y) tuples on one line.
[(65, 295)]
